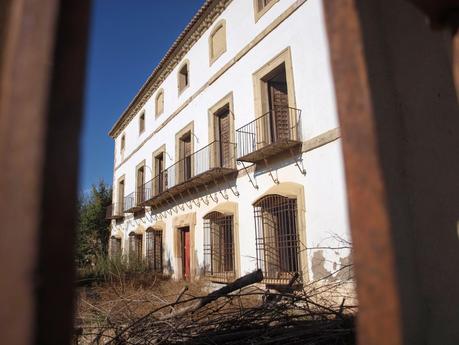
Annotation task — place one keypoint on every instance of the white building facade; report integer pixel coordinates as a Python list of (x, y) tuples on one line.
[(229, 157)]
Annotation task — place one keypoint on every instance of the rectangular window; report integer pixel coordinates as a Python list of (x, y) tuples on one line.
[(262, 6), (183, 77), (160, 181), (142, 123), (120, 197), (217, 41), (123, 143), (135, 249), (115, 248), (154, 250), (159, 103), (277, 240), (185, 158), (218, 245), (224, 157), (279, 114), (140, 195)]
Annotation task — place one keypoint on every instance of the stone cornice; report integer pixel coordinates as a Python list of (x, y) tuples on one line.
[(203, 19)]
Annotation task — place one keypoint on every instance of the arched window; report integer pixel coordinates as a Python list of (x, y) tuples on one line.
[(159, 103), (183, 76), (277, 239), (135, 248), (217, 41), (219, 245), (154, 242)]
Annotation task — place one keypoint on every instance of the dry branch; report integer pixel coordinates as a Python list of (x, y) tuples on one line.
[(249, 279)]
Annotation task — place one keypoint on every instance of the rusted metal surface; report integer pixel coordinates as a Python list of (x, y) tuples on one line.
[(399, 118), (42, 71)]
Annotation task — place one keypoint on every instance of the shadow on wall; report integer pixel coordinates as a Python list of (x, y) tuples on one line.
[(169, 268), (203, 196)]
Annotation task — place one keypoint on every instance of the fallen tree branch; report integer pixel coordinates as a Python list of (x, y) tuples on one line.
[(249, 279)]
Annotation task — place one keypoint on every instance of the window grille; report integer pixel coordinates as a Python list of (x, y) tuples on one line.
[(277, 240), (218, 245), (154, 250), (115, 248), (135, 248)]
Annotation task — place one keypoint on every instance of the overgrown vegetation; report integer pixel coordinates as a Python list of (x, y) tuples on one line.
[(115, 271), (92, 229)]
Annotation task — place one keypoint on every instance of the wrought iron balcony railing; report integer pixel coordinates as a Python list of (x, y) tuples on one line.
[(133, 202), (275, 131), (210, 162), (115, 211)]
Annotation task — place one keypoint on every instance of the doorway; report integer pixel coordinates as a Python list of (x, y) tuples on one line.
[(279, 119), (185, 251), (223, 137), (185, 157), (159, 174)]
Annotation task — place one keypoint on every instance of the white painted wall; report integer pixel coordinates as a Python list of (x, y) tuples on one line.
[(304, 32)]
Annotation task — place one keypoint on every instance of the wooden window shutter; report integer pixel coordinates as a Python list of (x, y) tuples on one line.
[(160, 103), (218, 41)]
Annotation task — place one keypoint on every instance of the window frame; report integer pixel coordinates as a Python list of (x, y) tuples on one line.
[(142, 122), (140, 199), (115, 251), (220, 24), (152, 232), (227, 219), (285, 238), (182, 88), (159, 93), (122, 143), (259, 12), (134, 239)]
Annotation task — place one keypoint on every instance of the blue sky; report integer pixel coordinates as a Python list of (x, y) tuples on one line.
[(128, 38)]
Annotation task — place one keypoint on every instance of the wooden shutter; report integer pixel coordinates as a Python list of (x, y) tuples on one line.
[(218, 41), (160, 103), (185, 156), (140, 185), (121, 196), (158, 250), (159, 174), (224, 138), (279, 111)]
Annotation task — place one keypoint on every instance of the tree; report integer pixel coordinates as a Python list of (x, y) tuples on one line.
[(93, 229)]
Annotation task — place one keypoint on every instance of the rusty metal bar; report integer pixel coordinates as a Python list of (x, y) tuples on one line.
[(43, 52), (399, 118)]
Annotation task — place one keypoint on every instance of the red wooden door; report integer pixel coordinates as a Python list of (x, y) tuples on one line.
[(186, 243)]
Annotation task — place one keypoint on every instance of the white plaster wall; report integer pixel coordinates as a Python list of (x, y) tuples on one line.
[(304, 32)]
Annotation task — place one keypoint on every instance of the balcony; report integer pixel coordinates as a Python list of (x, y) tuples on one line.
[(212, 162), (114, 211), (134, 201), (268, 135)]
